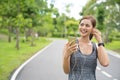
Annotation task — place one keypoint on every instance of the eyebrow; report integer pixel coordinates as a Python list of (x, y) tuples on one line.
[(85, 24)]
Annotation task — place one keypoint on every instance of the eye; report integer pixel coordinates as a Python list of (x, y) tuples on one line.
[(82, 24), (87, 25)]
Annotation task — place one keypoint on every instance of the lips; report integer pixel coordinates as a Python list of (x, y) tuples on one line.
[(83, 31)]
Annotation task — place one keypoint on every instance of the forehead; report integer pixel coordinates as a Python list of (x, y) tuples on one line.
[(86, 21)]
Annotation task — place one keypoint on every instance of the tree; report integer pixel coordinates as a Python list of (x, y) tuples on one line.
[(107, 15), (112, 19), (8, 12), (22, 14), (100, 16), (72, 27), (89, 8)]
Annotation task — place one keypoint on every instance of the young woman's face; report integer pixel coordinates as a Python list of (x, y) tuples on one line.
[(85, 27)]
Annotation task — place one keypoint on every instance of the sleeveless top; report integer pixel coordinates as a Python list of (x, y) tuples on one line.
[(83, 67)]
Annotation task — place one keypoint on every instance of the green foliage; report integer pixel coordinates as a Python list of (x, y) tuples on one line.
[(100, 17), (57, 34), (1, 21), (19, 21), (69, 23), (34, 15), (3, 31), (72, 27), (88, 9), (107, 15), (115, 35), (114, 45), (19, 15), (11, 58)]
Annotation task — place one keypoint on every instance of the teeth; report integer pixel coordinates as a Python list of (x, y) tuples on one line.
[(83, 31)]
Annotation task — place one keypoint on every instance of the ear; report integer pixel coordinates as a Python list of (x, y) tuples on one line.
[(92, 30)]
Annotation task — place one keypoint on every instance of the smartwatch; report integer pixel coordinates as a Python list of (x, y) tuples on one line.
[(99, 44)]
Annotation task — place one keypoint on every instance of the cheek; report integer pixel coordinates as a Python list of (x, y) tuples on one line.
[(91, 29), (79, 27)]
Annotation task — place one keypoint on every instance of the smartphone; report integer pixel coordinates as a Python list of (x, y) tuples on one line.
[(72, 40)]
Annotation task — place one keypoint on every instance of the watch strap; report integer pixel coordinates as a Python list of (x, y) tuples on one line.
[(99, 44)]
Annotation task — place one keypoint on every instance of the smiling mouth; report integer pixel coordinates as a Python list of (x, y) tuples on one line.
[(83, 31)]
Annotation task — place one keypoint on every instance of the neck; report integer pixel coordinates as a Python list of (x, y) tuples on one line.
[(84, 39)]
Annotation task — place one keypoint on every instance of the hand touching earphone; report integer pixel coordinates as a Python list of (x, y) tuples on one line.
[(97, 34)]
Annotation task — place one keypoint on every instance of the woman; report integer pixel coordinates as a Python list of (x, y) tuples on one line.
[(80, 59)]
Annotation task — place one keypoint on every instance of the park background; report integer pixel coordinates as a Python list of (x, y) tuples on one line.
[(26, 26)]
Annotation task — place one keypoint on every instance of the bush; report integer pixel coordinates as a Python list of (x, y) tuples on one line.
[(57, 34), (4, 31)]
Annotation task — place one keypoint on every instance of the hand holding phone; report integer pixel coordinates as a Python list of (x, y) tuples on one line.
[(72, 40)]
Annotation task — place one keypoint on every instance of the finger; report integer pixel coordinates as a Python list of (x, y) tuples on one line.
[(72, 42), (72, 51), (66, 44), (75, 45), (97, 31), (69, 43), (73, 48)]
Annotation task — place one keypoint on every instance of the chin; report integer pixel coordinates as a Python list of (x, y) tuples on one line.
[(83, 35)]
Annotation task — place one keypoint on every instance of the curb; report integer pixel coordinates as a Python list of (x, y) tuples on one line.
[(16, 72)]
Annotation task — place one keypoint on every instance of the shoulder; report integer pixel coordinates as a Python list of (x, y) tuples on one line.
[(95, 45)]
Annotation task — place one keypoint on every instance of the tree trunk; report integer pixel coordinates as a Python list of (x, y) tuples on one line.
[(26, 34), (9, 34), (32, 38), (32, 41), (17, 38), (65, 31), (106, 36)]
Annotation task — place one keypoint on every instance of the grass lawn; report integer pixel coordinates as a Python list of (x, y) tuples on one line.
[(114, 45), (11, 58)]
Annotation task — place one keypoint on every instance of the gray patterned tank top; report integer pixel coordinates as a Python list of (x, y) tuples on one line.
[(83, 67)]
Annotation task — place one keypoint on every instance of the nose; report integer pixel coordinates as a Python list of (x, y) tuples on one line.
[(84, 26)]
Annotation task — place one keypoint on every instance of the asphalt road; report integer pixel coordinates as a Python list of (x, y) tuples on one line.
[(47, 65)]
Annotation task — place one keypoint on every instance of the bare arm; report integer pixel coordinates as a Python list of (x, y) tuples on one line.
[(68, 50), (102, 55), (66, 64)]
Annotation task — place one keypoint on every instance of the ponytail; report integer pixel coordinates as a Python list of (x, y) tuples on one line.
[(90, 36)]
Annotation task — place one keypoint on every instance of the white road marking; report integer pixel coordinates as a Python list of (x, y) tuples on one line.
[(13, 77), (106, 74), (113, 53), (98, 68)]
